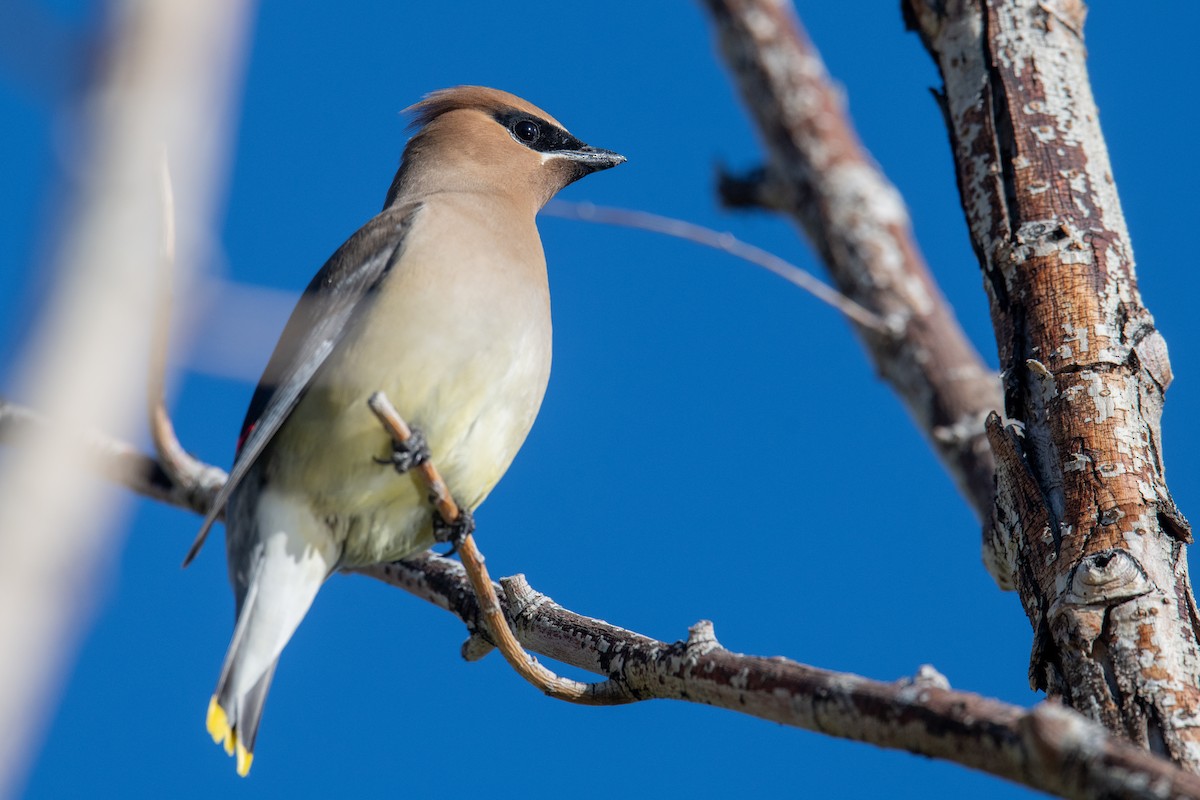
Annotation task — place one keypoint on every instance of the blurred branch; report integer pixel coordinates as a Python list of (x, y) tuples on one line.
[(818, 173), (163, 78), (191, 489), (1084, 524), (1049, 747)]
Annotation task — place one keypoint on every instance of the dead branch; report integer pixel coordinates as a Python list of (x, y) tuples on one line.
[(818, 173), (1084, 525), (1049, 747)]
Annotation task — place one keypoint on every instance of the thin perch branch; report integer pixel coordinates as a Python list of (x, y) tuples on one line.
[(604, 693)]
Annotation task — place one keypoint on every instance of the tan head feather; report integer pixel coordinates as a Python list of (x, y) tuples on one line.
[(479, 98)]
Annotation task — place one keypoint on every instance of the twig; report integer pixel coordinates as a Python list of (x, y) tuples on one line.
[(607, 692), (726, 242)]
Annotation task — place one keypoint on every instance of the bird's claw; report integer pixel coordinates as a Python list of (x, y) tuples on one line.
[(453, 532), (412, 452)]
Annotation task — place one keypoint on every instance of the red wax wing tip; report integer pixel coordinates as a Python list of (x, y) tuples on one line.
[(246, 435)]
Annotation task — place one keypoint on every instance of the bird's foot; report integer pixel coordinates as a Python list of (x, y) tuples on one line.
[(453, 532), (412, 452)]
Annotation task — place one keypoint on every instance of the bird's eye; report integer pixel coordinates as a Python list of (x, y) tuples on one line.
[(527, 131)]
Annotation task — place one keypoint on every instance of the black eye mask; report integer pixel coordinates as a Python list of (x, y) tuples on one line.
[(536, 133)]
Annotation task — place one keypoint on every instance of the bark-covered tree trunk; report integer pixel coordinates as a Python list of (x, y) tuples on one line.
[(1083, 526)]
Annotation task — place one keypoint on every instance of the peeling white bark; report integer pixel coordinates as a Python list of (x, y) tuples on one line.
[(1084, 527)]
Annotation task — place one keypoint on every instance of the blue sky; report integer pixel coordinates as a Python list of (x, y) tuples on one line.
[(671, 363)]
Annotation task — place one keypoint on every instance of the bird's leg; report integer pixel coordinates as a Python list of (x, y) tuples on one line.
[(412, 452), (453, 532)]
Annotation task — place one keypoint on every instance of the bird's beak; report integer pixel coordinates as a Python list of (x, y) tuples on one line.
[(593, 159)]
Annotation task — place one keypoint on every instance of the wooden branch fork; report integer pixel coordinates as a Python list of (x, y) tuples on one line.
[(1049, 747)]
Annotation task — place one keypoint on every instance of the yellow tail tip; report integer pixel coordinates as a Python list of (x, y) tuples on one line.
[(222, 734), (244, 758), (218, 726), (217, 722)]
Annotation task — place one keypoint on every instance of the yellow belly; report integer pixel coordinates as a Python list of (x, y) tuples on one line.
[(466, 368), (475, 417)]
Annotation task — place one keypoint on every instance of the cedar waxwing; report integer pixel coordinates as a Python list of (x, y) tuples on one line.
[(441, 301)]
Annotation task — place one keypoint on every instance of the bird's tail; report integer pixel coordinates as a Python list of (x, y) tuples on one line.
[(233, 720), (287, 567), (236, 707)]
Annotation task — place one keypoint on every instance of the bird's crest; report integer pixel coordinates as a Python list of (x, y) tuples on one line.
[(480, 98)]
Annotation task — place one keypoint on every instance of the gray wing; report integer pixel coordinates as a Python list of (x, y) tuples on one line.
[(314, 329)]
